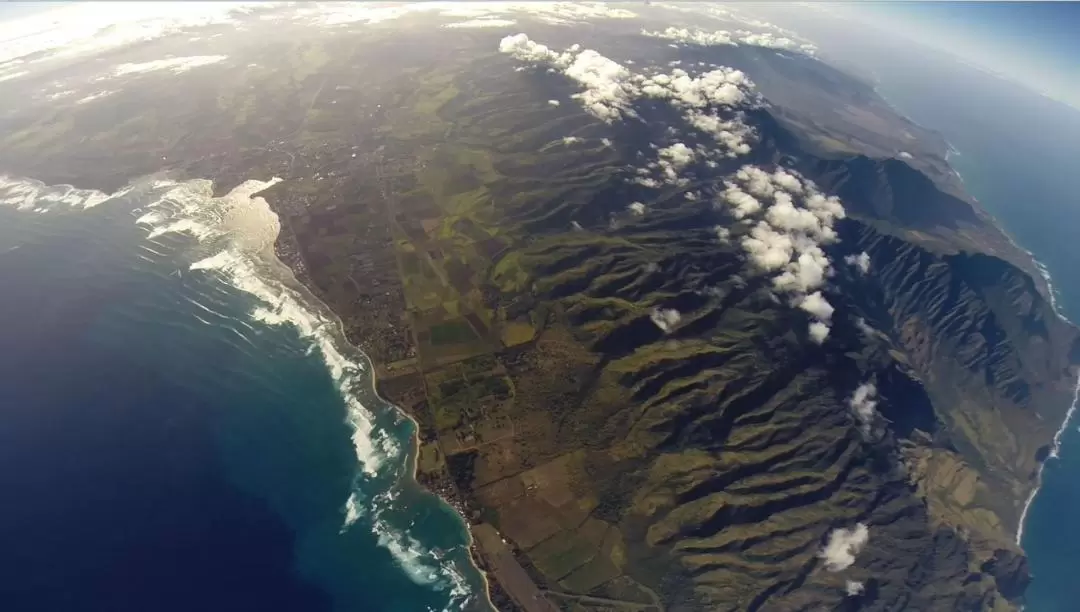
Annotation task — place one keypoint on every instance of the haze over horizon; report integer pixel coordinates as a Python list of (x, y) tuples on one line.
[(1031, 43)]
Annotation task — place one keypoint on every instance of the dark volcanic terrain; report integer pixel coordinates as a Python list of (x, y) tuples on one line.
[(476, 242)]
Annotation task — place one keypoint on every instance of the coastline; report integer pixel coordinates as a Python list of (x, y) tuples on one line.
[(296, 275), (1054, 452), (1051, 296)]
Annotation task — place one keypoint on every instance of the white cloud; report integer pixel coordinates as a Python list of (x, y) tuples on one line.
[(608, 90), (521, 47), (571, 140), (818, 331), (703, 38), (722, 233), (864, 402), (818, 306), (665, 318), (860, 262), (710, 102), (842, 546), (636, 208), (176, 65), (694, 37), (741, 203), (793, 220), (864, 327), (905, 155), (854, 588), (553, 102), (678, 154), (671, 160)]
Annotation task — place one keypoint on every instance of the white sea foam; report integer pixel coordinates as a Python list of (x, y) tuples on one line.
[(31, 195), (423, 566), (1055, 451), (239, 230)]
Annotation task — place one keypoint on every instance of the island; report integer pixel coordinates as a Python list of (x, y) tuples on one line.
[(628, 414)]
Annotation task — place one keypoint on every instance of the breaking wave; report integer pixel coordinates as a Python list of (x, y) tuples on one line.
[(35, 196), (234, 238)]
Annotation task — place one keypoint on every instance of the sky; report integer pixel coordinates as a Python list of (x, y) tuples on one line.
[(1034, 43)]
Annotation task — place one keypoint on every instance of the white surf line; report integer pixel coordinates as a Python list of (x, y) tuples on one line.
[(1055, 451)]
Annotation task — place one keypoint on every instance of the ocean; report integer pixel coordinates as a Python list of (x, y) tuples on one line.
[(182, 426), (1022, 173)]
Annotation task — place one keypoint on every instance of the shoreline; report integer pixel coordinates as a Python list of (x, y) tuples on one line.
[(1051, 296), (279, 259), (1054, 453)]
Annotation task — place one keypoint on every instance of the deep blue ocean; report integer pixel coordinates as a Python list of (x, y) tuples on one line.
[(182, 429), (1017, 155)]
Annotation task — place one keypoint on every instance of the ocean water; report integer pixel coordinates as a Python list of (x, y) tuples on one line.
[(182, 427)]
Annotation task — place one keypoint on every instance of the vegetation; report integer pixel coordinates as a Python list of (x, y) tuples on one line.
[(496, 277)]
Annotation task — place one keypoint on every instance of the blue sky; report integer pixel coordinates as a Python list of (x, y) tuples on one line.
[(1034, 43)]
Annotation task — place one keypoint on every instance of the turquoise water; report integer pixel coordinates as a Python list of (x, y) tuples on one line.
[(181, 427)]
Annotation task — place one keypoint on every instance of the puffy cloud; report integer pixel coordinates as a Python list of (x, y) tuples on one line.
[(817, 305), (741, 203), (769, 249), (571, 140), (678, 154), (733, 134), (864, 402), (521, 47), (793, 220), (694, 37), (553, 102), (860, 262), (671, 160), (665, 318), (818, 331), (608, 90), (710, 101), (703, 38), (842, 545), (721, 87), (647, 182), (904, 155), (786, 180), (636, 208), (854, 588)]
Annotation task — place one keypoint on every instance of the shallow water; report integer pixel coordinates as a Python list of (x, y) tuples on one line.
[(181, 427)]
